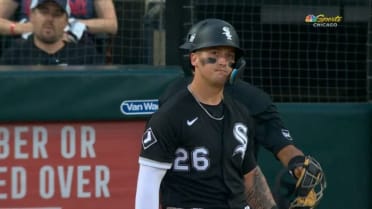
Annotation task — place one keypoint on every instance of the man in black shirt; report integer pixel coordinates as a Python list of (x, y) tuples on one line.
[(46, 46), (198, 147), (270, 131)]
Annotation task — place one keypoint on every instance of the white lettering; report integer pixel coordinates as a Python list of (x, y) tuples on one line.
[(81, 181), (21, 150), (65, 182), (88, 139), (19, 183), (150, 106), (133, 107), (102, 180), (40, 139), (4, 143), (19, 142), (71, 176), (3, 196), (46, 186), (68, 137)]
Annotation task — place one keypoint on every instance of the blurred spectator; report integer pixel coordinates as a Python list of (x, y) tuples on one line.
[(46, 46), (91, 16)]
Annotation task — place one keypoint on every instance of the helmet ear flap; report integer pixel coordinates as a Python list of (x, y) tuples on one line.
[(238, 70)]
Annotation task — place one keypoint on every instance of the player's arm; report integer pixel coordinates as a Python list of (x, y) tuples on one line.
[(275, 137), (148, 184), (286, 154), (257, 191)]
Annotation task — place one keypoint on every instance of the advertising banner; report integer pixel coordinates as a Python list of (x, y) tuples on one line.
[(90, 165)]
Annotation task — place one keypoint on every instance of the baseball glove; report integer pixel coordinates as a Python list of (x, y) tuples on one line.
[(310, 185), (303, 191)]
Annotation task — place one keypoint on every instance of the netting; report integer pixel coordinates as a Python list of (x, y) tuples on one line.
[(321, 60), (369, 54), (297, 51)]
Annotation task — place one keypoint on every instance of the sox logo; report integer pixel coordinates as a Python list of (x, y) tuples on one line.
[(240, 132), (227, 33)]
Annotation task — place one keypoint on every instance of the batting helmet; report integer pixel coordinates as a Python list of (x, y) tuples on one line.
[(211, 33)]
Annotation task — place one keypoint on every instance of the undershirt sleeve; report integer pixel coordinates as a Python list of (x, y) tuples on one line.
[(148, 185)]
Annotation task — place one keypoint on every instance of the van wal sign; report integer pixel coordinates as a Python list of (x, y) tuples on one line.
[(65, 165), (139, 107)]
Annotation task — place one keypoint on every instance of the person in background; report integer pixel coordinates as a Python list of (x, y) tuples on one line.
[(88, 18), (46, 46)]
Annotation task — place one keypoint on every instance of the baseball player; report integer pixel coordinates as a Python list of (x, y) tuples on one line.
[(270, 131), (197, 149)]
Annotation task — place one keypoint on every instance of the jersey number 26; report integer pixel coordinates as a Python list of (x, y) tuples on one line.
[(197, 159)]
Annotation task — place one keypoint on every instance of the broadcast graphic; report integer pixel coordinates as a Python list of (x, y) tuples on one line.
[(323, 21)]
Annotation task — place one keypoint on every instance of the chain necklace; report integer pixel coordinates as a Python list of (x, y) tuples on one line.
[(203, 108)]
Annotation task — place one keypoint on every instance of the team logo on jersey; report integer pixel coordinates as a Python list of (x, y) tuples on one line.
[(148, 138), (240, 132), (227, 33), (286, 134)]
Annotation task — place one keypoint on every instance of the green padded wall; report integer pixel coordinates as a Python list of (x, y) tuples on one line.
[(79, 93), (340, 137)]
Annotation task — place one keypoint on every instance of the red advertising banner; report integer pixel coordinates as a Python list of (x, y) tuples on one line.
[(69, 165)]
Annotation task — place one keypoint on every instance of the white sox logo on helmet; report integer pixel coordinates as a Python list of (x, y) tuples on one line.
[(192, 38), (227, 33), (240, 132)]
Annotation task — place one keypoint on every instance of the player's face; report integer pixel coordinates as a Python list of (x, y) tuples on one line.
[(214, 64), (48, 21)]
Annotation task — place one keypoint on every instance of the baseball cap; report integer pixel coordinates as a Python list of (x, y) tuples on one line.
[(64, 4)]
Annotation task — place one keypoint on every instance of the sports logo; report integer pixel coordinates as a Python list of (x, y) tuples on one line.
[(192, 37), (139, 107), (148, 138), (324, 21), (190, 122), (310, 18), (227, 33), (240, 133), (286, 134)]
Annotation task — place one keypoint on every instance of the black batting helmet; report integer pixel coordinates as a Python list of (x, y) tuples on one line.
[(211, 33)]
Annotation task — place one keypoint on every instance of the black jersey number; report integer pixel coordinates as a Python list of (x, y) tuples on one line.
[(197, 159)]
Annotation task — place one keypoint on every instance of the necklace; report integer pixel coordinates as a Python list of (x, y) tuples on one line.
[(203, 108)]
